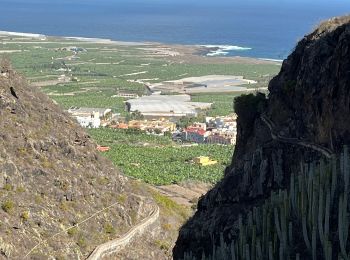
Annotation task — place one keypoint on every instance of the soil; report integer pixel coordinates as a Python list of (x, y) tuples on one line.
[(186, 194)]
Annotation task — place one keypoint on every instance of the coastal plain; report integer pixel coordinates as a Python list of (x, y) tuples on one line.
[(92, 73), (84, 72)]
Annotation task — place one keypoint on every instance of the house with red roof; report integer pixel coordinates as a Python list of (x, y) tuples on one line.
[(193, 134)]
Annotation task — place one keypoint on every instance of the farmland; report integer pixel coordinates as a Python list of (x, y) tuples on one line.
[(103, 69), (157, 160)]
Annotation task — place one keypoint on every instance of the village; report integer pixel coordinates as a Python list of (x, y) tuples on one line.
[(164, 115)]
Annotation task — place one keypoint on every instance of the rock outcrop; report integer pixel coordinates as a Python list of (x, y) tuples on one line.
[(285, 195), (59, 198)]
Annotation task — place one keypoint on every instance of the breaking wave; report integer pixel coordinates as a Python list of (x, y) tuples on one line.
[(222, 50)]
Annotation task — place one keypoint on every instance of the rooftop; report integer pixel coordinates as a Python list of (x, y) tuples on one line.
[(88, 110), (173, 104)]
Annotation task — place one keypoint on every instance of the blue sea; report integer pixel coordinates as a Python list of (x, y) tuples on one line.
[(256, 28)]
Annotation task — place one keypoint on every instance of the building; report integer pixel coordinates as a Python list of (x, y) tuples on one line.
[(222, 121), (126, 95), (163, 106), (154, 126), (195, 135), (199, 126), (204, 161), (90, 117), (120, 126), (103, 148), (222, 138)]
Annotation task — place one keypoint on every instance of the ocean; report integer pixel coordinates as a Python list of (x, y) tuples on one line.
[(255, 28)]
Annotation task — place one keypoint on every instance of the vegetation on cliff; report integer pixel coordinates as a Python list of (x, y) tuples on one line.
[(285, 195)]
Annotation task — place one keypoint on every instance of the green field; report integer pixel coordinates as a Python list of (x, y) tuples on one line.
[(159, 161), (105, 69)]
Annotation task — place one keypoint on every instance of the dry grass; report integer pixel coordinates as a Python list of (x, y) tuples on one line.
[(331, 24)]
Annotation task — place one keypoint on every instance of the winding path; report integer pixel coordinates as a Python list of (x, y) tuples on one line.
[(66, 229), (117, 244), (275, 136), (114, 245)]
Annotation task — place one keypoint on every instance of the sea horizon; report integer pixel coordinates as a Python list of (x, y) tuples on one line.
[(219, 51), (249, 29)]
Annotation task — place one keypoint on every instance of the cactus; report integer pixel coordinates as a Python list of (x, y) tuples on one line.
[(334, 178), (292, 192), (314, 249), (270, 251), (320, 215), (247, 252), (305, 234), (269, 231), (233, 251), (326, 218), (290, 233), (259, 254)]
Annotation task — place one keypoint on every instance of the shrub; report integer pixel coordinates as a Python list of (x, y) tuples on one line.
[(163, 245), (109, 229), (8, 187), (82, 242), (7, 206), (167, 226), (25, 216), (72, 231), (20, 189), (121, 198)]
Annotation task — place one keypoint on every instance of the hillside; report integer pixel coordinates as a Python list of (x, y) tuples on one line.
[(59, 198), (285, 195)]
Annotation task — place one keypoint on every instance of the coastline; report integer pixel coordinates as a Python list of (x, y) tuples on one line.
[(210, 51)]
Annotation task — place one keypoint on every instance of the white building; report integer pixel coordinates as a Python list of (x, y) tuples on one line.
[(173, 106), (90, 117)]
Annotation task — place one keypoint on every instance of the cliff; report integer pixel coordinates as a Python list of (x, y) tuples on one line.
[(285, 195), (59, 198)]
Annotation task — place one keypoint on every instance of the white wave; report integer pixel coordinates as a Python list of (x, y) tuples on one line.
[(31, 35), (267, 59), (222, 50), (217, 53), (227, 47)]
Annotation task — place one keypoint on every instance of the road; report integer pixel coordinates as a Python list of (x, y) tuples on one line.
[(111, 246), (117, 244), (295, 141)]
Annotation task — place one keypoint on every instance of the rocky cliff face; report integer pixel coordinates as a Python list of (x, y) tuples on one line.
[(52, 178), (285, 195)]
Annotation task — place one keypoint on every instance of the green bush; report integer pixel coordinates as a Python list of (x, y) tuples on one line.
[(8, 187), (25, 216), (109, 229), (20, 189), (72, 231), (82, 242), (7, 206)]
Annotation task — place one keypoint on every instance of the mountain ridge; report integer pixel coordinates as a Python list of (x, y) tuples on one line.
[(59, 197)]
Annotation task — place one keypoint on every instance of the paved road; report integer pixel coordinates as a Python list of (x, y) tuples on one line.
[(275, 136)]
